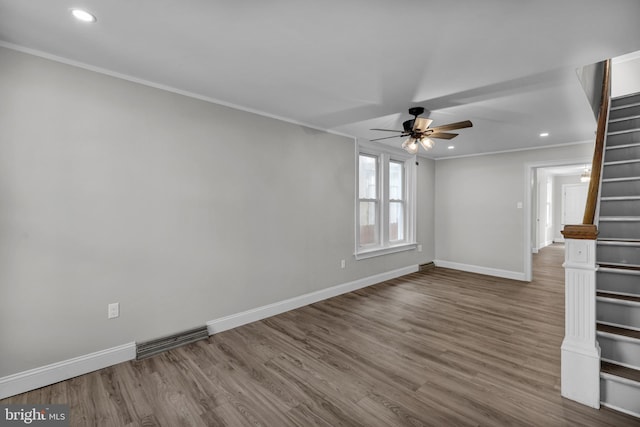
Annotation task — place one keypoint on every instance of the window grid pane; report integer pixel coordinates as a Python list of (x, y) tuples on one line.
[(396, 221), (396, 184), (368, 177), (368, 223)]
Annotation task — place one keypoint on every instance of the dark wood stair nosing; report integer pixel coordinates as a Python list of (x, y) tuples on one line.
[(616, 330), (605, 294), (620, 267), (620, 371)]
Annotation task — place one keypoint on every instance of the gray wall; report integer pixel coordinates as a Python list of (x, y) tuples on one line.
[(624, 77), (477, 221), (181, 210), (591, 77)]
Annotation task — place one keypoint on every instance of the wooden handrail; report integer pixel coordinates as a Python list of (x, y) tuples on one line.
[(588, 230), (596, 164)]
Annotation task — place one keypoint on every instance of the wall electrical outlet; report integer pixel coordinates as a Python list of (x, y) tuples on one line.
[(343, 263), (419, 248), (113, 310)]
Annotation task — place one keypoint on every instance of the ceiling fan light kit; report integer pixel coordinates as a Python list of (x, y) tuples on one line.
[(427, 143), (419, 132)]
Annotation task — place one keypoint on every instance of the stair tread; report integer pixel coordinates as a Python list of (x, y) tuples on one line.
[(604, 294), (620, 371), (622, 107), (618, 331), (621, 146), (622, 162), (619, 198), (622, 119), (618, 269), (621, 132), (622, 265), (620, 218), (623, 179)]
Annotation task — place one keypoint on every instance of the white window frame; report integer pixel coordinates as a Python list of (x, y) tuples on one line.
[(402, 201), (385, 155)]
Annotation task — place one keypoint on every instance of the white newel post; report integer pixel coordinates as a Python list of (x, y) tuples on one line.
[(580, 363)]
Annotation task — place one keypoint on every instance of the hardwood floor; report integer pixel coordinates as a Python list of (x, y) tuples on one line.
[(438, 348)]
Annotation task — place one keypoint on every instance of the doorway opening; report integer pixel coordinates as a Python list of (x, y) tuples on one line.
[(556, 197)]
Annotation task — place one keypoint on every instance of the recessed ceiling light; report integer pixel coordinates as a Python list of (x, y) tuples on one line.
[(451, 147), (83, 15), (544, 134)]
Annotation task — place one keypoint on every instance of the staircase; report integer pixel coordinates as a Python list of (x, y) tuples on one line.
[(618, 255)]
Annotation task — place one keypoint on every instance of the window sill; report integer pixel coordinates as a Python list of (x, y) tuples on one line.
[(370, 253)]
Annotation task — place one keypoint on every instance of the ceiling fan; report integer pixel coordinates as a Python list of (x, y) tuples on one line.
[(418, 131)]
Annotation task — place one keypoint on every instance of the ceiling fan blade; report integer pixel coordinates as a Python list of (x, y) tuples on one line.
[(388, 130), (453, 126), (442, 135), (421, 124), (388, 137)]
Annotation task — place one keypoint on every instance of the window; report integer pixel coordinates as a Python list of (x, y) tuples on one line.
[(369, 200), (396, 201), (385, 201)]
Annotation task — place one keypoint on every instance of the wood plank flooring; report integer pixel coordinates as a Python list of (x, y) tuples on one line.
[(437, 348)]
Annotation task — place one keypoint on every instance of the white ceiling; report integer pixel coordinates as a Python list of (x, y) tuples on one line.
[(350, 65)]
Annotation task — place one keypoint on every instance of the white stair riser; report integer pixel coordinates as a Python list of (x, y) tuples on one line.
[(625, 112), (618, 349), (619, 254), (621, 171), (619, 230), (621, 188), (619, 313), (616, 282), (620, 395)]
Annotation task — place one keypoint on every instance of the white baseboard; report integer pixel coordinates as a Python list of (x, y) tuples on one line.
[(507, 274), (60, 371), (259, 313)]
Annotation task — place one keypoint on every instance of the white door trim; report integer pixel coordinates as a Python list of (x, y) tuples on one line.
[(528, 194)]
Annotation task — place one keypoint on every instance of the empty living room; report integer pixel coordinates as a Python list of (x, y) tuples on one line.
[(339, 213)]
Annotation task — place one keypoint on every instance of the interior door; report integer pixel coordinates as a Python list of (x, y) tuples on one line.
[(574, 200)]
